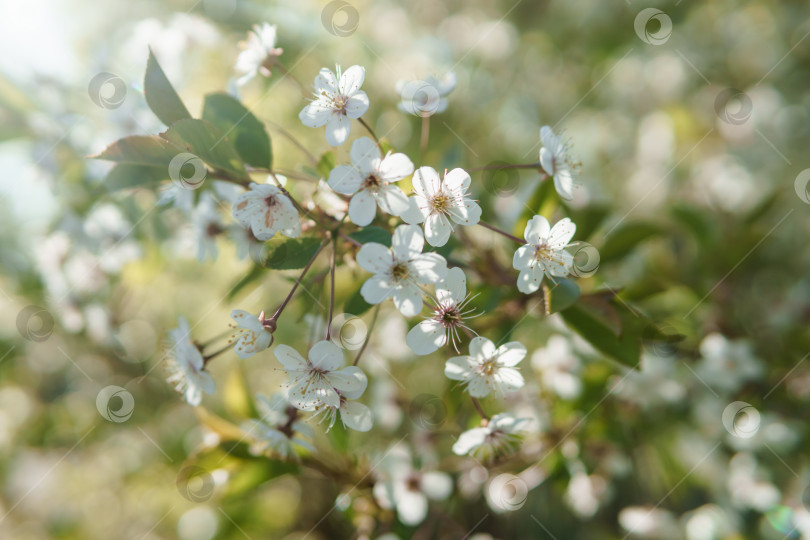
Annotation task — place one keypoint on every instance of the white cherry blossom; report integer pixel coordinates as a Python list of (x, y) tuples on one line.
[(426, 97), (400, 270), (338, 99), (497, 436), (321, 382), (402, 487), (544, 253), (370, 180), (186, 366), (259, 52), (251, 335), (448, 316), (556, 161), (267, 210), (488, 369), (438, 203)]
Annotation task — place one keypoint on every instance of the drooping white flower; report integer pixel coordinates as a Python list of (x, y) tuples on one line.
[(258, 53), (267, 210), (208, 225), (186, 366), (251, 334), (400, 270), (338, 99), (426, 97), (278, 431), (544, 252), (440, 203), (497, 436), (370, 180), (402, 487), (320, 381), (448, 316), (487, 369), (556, 161)]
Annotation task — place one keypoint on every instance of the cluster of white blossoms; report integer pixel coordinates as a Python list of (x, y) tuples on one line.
[(320, 384)]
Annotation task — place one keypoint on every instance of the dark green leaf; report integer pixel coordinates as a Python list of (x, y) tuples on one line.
[(127, 176), (564, 293), (248, 134), (148, 150), (209, 143), (372, 234), (161, 96), (293, 253), (625, 238), (625, 348)]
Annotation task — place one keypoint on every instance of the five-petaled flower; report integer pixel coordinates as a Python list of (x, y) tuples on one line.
[(338, 99), (544, 252), (279, 431), (497, 436), (448, 316), (370, 181), (267, 210), (186, 366), (557, 163), (251, 334), (488, 369), (319, 382), (438, 203), (259, 52), (400, 270)]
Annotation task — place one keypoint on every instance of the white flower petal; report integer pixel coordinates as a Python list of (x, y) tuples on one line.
[(529, 280), (392, 200), (509, 380), (561, 234), (362, 208), (407, 242), (479, 387), (429, 267), (459, 368), (326, 356), (247, 320), (365, 155), (289, 358), (316, 114), (564, 184), (436, 485), (395, 167), (376, 289), (413, 214), (357, 105), (457, 181), (524, 255), (453, 286), (437, 230), (345, 179), (375, 258), (350, 381), (426, 337), (351, 80), (482, 348), (325, 81), (547, 161), (412, 507), (337, 129), (470, 440), (356, 416), (426, 181), (408, 300), (537, 230), (510, 354)]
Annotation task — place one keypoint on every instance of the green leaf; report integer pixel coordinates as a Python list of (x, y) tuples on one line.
[(326, 164), (209, 143), (564, 293), (161, 96), (248, 134), (625, 348), (128, 176), (148, 150), (255, 273), (293, 253), (542, 202), (356, 304), (372, 234), (626, 238)]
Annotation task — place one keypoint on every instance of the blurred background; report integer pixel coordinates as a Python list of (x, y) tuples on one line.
[(691, 122)]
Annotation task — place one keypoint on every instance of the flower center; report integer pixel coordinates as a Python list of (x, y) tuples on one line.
[(372, 182), (543, 252), (441, 202), (488, 367), (400, 271), (449, 316), (413, 483), (339, 102)]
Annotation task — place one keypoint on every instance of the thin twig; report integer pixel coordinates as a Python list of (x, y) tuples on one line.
[(480, 411), (368, 335), (502, 232), (331, 290), (277, 314)]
